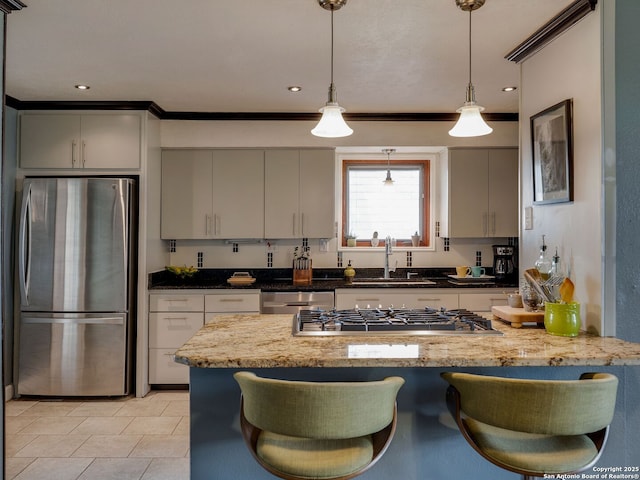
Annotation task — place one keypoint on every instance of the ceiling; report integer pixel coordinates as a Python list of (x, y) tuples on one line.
[(391, 56)]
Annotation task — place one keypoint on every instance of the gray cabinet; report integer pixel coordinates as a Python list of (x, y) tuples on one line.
[(80, 141), (209, 194), (482, 193), (299, 193)]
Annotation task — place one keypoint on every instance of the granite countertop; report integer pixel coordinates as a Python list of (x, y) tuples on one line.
[(266, 341), (325, 279)]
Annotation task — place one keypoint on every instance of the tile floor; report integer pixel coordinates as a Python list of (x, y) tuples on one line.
[(124, 439)]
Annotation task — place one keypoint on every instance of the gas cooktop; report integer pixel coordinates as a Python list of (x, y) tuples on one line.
[(390, 321)]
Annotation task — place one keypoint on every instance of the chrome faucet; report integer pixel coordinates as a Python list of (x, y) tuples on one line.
[(387, 252)]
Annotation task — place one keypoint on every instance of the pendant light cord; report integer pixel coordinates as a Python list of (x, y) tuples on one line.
[(331, 46), (469, 46)]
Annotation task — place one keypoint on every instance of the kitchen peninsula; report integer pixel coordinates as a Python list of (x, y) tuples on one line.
[(425, 437)]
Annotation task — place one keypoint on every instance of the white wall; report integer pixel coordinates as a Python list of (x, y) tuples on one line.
[(369, 138), (569, 67)]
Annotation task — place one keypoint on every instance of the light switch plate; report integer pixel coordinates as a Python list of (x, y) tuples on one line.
[(528, 218)]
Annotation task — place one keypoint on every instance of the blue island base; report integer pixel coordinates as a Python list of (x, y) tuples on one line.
[(427, 445)]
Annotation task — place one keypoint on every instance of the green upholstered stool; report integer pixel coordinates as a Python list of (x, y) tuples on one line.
[(319, 430), (534, 427)]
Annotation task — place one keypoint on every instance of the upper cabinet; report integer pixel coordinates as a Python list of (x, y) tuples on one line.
[(299, 193), (482, 194), (70, 140), (212, 194)]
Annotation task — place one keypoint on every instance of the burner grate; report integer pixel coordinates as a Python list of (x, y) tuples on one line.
[(401, 321)]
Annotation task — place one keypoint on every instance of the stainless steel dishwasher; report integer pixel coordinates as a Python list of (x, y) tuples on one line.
[(293, 302)]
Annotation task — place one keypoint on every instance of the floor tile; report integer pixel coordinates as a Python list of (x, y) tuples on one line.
[(177, 408), (52, 425), (183, 427), (52, 446), (54, 469), (15, 442), (167, 469), (152, 425), (53, 409), (14, 466), (116, 469), (97, 409), (169, 395), (108, 446), (16, 407), (103, 425), (15, 424), (143, 409), (161, 446)]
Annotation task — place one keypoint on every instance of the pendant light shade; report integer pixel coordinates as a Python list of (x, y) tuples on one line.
[(331, 124), (470, 123)]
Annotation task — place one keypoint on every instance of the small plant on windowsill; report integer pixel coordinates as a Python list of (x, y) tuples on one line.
[(351, 239)]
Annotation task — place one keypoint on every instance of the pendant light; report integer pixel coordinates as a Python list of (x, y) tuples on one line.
[(388, 181), (470, 123), (332, 125)]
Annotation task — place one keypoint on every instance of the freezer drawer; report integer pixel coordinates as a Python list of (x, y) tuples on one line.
[(73, 354)]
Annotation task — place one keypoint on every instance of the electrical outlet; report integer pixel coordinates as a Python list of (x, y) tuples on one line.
[(324, 245), (528, 218)]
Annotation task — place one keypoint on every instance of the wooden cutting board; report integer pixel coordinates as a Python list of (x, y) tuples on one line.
[(517, 316)]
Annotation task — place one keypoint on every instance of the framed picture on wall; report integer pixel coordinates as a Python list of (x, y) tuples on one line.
[(552, 148)]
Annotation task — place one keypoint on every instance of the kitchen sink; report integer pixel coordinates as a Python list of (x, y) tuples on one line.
[(392, 281)]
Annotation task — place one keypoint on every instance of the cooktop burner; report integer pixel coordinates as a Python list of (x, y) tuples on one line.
[(427, 321)]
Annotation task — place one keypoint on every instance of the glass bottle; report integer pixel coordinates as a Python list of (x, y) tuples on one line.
[(543, 264)]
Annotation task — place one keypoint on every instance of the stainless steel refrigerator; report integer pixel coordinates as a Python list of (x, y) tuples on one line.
[(76, 278)]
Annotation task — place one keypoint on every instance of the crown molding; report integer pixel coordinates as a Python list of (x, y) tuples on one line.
[(159, 112), (550, 30)]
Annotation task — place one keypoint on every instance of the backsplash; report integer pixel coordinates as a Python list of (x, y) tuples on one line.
[(280, 253)]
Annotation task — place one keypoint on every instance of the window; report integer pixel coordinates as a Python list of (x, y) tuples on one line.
[(399, 210)]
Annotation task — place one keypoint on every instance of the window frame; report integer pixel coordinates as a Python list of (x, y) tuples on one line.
[(427, 200)]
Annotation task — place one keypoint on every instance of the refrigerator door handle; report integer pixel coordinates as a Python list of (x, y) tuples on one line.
[(96, 320), (24, 247)]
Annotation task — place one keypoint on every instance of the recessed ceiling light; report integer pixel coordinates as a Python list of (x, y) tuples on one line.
[(294, 88), (509, 89), (83, 87)]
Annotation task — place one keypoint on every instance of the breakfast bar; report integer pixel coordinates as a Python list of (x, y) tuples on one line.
[(427, 445)]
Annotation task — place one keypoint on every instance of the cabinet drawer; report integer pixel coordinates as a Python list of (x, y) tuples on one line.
[(171, 330), (233, 302), (416, 298), (163, 369), (176, 303)]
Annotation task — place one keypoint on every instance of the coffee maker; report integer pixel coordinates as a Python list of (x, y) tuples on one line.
[(503, 262)]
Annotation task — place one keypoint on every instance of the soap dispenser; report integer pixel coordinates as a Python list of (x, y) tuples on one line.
[(349, 273)]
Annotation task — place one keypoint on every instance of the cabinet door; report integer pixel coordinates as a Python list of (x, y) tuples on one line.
[(503, 192), (110, 141), (49, 141), (164, 370), (238, 193), (468, 193), (281, 194), (482, 302), (233, 302), (187, 194), (317, 193)]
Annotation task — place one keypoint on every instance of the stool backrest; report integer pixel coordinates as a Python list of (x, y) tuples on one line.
[(323, 410), (550, 407)]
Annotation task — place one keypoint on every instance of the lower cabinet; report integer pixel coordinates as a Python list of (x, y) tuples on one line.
[(398, 297), (175, 316), (231, 301), (478, 301)]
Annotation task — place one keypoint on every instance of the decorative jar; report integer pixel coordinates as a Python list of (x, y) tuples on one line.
[(562, 319)]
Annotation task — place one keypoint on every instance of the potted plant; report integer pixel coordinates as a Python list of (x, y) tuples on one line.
[(351, 239)]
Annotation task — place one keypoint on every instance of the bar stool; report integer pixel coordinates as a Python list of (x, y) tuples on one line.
[(534, 427), (323, 430)]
